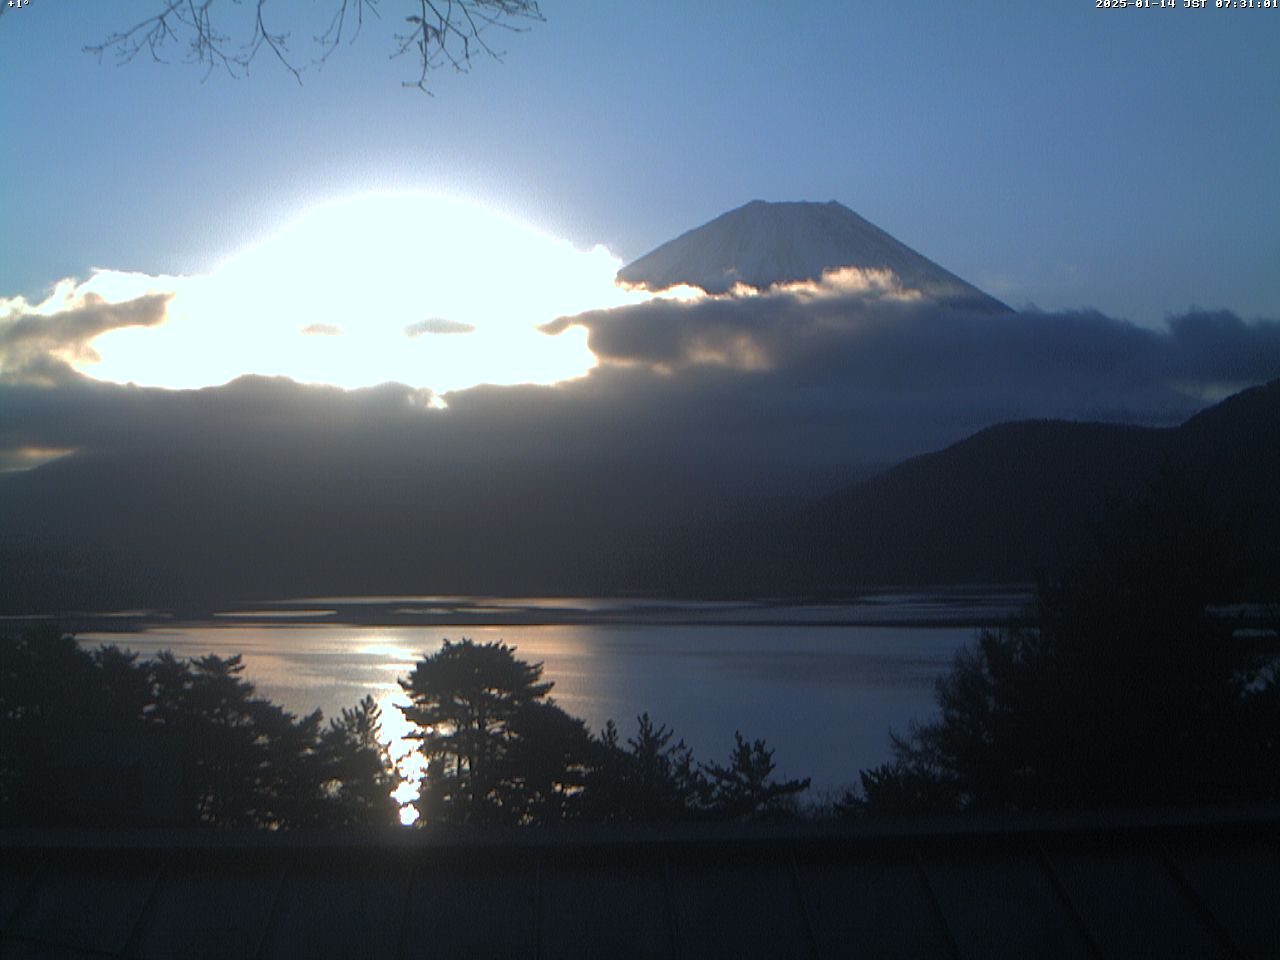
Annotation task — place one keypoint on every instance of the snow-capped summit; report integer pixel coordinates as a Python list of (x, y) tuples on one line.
[(761, 244)]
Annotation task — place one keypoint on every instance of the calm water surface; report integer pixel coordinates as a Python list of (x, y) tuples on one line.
[(823, 685)]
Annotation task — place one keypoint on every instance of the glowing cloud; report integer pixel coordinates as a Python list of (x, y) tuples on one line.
[(342, 295), (40, 343), (745, 328), (437, 325)]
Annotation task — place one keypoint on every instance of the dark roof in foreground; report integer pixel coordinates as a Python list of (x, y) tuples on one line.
[(1192, 884)]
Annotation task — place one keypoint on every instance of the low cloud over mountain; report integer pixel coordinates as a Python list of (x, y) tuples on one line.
[(841, 381), (696, 405)]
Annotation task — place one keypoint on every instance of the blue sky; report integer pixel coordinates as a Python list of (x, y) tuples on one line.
[(1052, 153)]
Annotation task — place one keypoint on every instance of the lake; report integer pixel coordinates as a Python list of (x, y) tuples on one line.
[(823, 684)]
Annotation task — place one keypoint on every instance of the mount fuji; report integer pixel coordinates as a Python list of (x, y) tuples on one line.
[(761, 244)]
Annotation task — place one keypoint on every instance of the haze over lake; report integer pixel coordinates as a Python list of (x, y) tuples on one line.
[(822, 684)]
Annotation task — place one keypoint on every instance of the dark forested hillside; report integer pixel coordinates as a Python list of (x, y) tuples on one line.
[(211, 525), (994, 507), (1018, 498)]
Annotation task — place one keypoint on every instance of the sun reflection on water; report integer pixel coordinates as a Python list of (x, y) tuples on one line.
[(397, 734)]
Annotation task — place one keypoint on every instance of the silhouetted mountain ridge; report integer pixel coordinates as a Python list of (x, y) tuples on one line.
[(1020, 498), (208, 524)]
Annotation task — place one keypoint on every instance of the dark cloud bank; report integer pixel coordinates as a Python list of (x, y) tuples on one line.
[(266, 486)]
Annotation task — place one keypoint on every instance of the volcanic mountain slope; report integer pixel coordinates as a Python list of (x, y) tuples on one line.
[(761, 244)]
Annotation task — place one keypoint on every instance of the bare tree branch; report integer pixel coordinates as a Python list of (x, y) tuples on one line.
[(332, 38), (439, 33)]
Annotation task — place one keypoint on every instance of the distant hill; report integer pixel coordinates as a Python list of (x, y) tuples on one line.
[(1020, 498), (996, 507), (761, 244), (191, 527)]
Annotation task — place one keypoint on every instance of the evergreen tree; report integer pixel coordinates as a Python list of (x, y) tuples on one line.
[(650, 780), (544, 770), (100, 738), (1128, 689), (745, 789), (465, 698), (358, 777)]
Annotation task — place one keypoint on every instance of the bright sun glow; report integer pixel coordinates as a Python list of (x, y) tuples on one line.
[(422, 290)]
